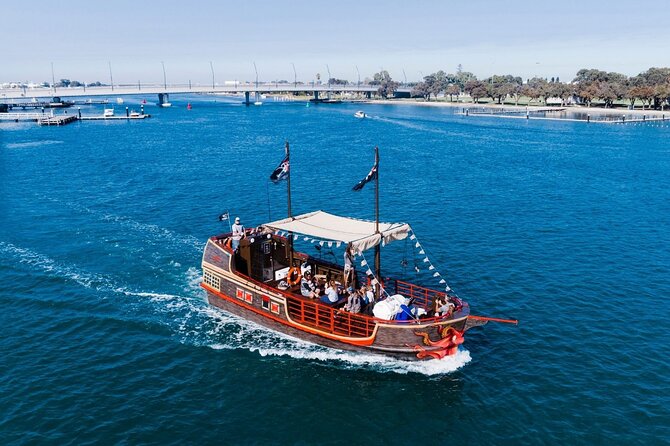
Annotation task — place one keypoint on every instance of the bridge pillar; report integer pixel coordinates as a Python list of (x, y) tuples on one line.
[(246, 98), (163, 98), (316, 96), (368, 94)]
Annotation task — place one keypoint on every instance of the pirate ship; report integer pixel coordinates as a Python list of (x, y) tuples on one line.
[(260, 281)]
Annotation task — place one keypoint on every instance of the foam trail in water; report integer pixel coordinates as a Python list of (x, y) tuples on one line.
[(201, 324), (32, 144), (243, 334), (83, 278), (409, 125), (156, 232)]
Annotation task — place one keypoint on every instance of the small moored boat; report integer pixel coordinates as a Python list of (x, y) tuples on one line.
[(360, 114), (108, 113)]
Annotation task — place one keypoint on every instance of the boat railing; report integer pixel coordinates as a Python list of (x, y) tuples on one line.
[(329, 319)]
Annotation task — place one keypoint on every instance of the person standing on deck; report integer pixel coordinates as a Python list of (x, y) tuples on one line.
[(238, 233), (348, 266)]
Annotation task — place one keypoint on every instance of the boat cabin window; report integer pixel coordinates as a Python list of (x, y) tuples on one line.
[(263, 259)]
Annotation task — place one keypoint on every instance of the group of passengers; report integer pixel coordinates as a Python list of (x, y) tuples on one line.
[(328, 292), (360, 300), (331, 292)]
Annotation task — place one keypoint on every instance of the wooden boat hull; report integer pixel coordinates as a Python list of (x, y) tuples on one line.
[(302, 318)]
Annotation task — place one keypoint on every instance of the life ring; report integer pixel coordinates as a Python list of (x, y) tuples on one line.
[(293, 277)]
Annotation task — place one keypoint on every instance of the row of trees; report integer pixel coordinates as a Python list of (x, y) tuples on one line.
[(651, 87)]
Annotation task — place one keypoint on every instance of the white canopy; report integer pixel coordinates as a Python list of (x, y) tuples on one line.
[(360, 233)]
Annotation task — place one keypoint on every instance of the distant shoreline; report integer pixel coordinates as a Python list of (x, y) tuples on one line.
[(568, 108)]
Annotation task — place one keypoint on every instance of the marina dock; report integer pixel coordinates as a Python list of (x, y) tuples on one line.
[(56, 120), (49, 119)]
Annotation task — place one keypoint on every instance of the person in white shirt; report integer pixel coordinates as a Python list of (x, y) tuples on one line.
[(238, 233), (331, 297)]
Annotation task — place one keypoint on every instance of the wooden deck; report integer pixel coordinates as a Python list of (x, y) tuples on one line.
[(57, 120)]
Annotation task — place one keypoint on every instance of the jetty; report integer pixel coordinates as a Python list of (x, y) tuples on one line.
[(56, 120), (51, 119)]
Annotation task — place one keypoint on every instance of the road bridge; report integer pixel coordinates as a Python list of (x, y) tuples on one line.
[(247, 89)]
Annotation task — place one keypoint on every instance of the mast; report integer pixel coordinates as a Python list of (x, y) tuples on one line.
[(288, 179), (378, 247), (288, 188)]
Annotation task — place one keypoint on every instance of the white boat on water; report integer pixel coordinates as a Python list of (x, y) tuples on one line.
[(166, 104), (360, 114), (134, 114), (109, 112), (119, 100), (258, 103)]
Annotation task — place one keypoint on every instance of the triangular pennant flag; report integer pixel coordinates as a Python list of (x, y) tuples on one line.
[(364, 262), (306, 238), (443, 281), (436, 274), (422, 252), (412, 237), (417, 245), (431, 267), (374, 281), (295, 236), (426, 260), (330, 244), (447, 288), (321, 242), (368, 272), (338, 244)]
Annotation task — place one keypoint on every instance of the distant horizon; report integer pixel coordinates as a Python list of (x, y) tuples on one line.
[(486, 38)]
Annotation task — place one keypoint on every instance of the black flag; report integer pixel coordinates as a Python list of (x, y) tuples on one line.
[(281, 171), (369, 177)]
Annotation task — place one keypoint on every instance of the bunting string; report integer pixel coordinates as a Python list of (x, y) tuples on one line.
[(436, 274)]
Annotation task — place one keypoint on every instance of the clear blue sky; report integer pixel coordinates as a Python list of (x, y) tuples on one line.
[(526, 38)]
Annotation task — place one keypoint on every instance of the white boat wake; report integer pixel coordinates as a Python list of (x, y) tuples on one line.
[(196, 322)]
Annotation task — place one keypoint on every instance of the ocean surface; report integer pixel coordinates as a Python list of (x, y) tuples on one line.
[(106, 336)]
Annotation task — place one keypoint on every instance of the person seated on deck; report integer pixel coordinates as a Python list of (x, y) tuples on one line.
[(354, 301), (331, 297), (443, 306), (308, 287)]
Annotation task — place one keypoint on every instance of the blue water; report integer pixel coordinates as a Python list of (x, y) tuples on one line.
[(107, 338)]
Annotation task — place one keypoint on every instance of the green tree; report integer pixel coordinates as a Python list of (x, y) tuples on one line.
[(387, 86), (421, 90), (453, 90), (463, 77), (476, 89)]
